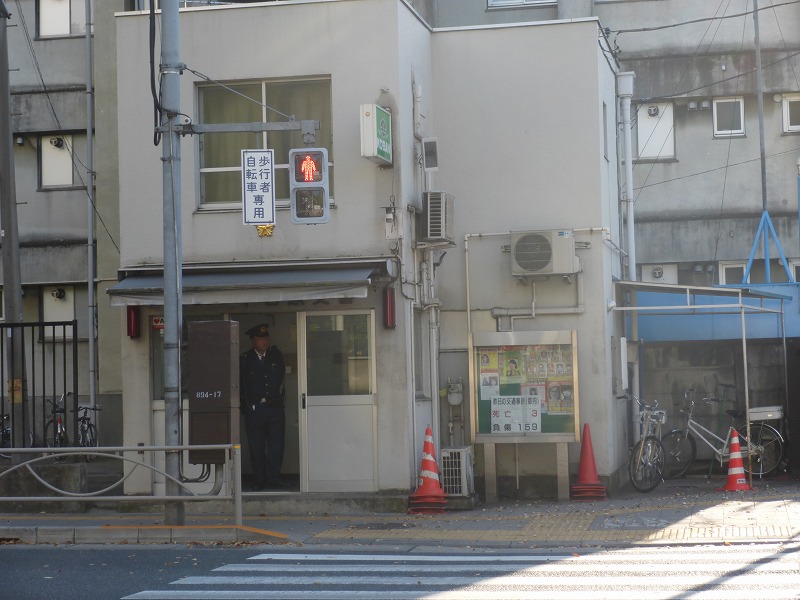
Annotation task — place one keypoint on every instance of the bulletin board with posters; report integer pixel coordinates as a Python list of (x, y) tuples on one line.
[(525, 386)]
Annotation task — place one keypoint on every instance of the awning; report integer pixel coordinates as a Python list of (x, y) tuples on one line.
[(235, 287)]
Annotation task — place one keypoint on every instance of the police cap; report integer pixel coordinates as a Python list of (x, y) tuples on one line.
[(261, 330)]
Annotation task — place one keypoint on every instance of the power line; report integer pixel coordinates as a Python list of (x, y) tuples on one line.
[(695, 21), (707, 171), (59, 129)]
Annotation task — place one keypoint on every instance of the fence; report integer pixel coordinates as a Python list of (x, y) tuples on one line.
[(224, 489), (38, 365)]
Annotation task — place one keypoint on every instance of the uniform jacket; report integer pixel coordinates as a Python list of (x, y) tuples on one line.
[(261, 378)]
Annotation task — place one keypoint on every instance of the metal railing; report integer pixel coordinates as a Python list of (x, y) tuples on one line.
[(233, 493), (38, 364)]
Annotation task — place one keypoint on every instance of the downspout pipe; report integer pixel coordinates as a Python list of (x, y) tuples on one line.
[(625, 92)]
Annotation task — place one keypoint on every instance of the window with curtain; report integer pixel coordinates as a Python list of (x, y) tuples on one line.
[(268, 101)]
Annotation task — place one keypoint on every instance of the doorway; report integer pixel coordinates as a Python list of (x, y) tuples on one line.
[(336, 401)]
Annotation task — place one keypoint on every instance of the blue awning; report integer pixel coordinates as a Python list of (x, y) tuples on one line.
[(235, 287)]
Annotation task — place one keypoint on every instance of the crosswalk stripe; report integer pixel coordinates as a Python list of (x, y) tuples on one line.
[(510, 580), (758, 573), (645, 567)]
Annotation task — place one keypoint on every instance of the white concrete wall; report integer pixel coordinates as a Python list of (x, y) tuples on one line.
[(520, 147)]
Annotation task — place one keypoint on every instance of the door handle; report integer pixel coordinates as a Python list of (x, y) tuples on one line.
[(304, 401)]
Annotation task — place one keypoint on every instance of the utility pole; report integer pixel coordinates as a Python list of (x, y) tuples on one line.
[(171, 68), (12, 279), (90, 180)]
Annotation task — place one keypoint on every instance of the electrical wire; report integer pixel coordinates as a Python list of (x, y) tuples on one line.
[(157, 109), (59, 129), (695, 21), (238, 93), (680, 79), (707, 171)]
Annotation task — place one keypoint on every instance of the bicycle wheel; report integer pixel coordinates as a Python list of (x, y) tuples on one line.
[(646, 464), (91, 436), (55, 438), (766, 449), (680, 450)]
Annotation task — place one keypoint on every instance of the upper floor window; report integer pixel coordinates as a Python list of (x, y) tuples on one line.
[(496, 3), (655, 132), (61, 18), (791, 112), (57, 160), (267, 101), (728, 117)]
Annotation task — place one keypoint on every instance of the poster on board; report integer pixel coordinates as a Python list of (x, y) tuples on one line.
[(526, 384)]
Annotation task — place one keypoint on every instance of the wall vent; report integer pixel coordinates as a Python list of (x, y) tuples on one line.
[(457, 475), (545, 252), (436, 222)]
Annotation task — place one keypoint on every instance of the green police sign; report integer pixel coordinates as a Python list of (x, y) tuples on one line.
[(376, 133)]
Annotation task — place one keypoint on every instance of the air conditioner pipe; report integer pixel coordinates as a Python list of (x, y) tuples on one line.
[(579, 308)]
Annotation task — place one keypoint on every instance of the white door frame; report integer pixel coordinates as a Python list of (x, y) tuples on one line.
[(364, 405)]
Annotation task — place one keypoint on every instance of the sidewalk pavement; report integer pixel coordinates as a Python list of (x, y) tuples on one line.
[(684, 511)]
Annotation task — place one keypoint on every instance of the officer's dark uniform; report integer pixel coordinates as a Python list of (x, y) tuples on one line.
[(261, 397)]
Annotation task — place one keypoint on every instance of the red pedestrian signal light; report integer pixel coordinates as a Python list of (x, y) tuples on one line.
[(309, 166), (308, 185)]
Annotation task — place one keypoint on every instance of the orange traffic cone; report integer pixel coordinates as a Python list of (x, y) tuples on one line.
[(588, 486), (736, 479), (429, 498)]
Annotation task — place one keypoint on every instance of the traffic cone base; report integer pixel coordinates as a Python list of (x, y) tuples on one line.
[(737, 482)]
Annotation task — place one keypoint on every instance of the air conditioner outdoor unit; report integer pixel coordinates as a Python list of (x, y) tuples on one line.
[(457, 476), (543, 252), (436, 223)]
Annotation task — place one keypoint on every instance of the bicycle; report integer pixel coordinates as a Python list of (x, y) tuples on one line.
[(55, 431), (647, 458), (5, 436), (761, 452), (87, 431)]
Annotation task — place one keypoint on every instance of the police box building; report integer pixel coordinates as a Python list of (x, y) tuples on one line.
[(427, 221)]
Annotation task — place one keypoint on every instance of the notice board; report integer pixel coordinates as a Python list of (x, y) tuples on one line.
[(525, 386)]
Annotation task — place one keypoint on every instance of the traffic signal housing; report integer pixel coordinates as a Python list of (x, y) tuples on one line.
[(309, 185)]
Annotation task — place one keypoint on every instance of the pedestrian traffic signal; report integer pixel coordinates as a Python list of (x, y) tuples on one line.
[(308, 185)]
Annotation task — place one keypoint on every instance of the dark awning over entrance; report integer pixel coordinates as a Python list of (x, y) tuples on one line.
[(234, 287)]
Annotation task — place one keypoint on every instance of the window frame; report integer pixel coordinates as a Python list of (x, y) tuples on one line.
[(728, 133), (518, 3), (280, 165), (787, 99), (75, 8), (664, 108), (724, 265), (44, 151)]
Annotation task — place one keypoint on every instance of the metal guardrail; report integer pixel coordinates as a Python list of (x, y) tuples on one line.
[(47, 455)]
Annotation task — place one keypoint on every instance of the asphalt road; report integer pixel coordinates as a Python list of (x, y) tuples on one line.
[(257, 571)]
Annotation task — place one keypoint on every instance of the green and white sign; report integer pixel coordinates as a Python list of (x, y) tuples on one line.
[(376, 133)]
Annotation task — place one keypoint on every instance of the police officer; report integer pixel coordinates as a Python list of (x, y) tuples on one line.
[(261, 373)]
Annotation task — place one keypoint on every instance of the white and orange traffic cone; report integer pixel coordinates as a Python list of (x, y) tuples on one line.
[(429, 498), (736, 479)]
